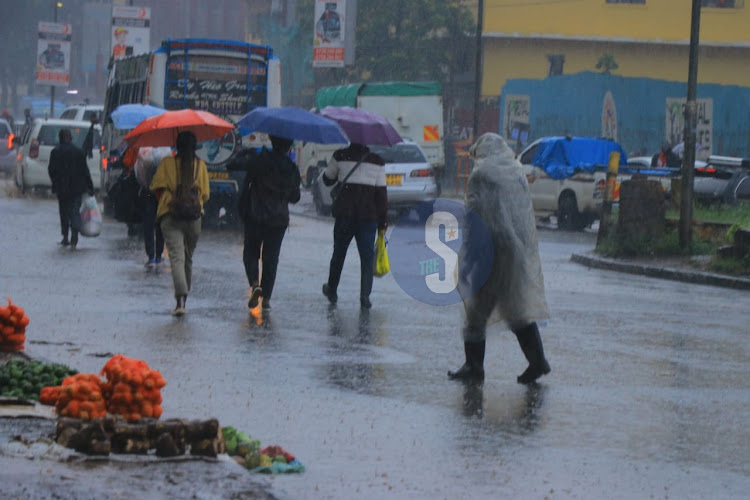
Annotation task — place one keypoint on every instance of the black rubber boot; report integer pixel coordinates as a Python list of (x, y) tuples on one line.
[(473, 368), (531, 345)]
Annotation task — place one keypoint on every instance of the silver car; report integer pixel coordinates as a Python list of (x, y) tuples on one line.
[(410, 179), (37, 144)]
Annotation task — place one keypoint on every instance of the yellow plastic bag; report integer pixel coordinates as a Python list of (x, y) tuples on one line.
[(382, 266)]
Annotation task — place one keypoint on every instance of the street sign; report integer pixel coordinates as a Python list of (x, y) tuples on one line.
[(53, 54), (131, 28), (328, 44)]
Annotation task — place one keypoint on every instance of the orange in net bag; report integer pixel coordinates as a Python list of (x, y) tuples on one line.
[(13, 323), (133, 389), (80, 396)]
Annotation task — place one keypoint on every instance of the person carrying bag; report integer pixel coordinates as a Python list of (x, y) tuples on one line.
[(182, 187), (360, 209)]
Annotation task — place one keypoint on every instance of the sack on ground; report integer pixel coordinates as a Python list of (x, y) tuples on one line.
[(382, 266), (91, 217), (185, 203)]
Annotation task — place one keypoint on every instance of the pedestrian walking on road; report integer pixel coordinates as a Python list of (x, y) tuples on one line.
[(71, 179), (360, 209), (181, 185), (514, 290), (272, 182), (144, 170), (28, 121)]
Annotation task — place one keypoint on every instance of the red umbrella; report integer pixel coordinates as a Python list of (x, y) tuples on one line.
[(162, 130)]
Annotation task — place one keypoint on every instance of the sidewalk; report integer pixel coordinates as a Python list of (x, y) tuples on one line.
[(676, 268)]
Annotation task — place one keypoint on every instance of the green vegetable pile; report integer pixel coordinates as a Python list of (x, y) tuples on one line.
[(272, 459), (241, 444), (24, 379)]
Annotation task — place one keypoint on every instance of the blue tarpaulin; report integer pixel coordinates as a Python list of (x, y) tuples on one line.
[(562, 157)]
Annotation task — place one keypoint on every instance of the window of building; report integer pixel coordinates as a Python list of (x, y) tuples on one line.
[(626, 1), (723, 4)]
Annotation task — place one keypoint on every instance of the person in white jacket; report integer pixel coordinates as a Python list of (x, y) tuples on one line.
[(514, 290)]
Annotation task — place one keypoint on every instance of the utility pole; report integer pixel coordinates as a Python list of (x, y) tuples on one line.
[(478, 69), (55, 5), (691, 112)]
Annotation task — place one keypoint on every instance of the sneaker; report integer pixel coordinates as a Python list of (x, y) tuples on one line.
[(151, 263), (266, 304), (157, 260), (64, 242), (179, 309), (254, 297), (332, 297)]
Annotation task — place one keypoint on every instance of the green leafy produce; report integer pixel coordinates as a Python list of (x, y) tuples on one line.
[(24, 379)]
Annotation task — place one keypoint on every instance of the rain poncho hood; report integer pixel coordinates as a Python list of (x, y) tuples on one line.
[(499, 193)]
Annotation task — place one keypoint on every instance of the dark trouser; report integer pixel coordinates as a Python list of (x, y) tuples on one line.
[(153, 238), (70, 215), (364, 233), (269, 238)]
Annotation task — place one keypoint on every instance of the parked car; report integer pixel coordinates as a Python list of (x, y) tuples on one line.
[(644, 162), (564, 179), (719, 183), (7, 148), (83, 112), (410, 179), (36, 146)]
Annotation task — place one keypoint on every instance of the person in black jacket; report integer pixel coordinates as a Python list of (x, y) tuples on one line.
[(70, 178), (360, 209), (666, 157), (272, 182)]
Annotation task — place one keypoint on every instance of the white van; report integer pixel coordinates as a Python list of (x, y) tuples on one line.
[(37, 144), (84, 112)]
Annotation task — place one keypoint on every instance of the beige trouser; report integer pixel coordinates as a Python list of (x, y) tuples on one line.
[(180, 237)]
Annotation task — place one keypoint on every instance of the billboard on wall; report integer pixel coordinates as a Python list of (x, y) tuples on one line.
[(330, 28), (53, 54), (130, 30), (675, 123)]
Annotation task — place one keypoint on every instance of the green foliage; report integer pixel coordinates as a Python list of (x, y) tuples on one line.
[(414, 40), (730, 265), (667, 245), (607, 63), (730, 214)]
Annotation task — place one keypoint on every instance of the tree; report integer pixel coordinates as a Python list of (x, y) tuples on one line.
[(415, 40), (397, 40), (607, 63)]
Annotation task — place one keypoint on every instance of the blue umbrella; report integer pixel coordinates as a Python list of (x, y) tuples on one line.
[(129, 116), (293, 123)]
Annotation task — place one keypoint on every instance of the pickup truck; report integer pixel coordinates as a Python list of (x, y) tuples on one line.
[(567, 177)]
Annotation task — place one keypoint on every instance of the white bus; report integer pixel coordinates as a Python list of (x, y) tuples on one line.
[(227, 78)]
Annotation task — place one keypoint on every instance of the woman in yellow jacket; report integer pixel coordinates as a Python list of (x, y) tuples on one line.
[(180, 235)]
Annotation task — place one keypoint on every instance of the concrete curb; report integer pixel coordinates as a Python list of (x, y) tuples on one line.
[(670, 273)]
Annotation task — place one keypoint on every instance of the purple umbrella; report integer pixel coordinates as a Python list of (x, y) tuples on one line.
[(362, 126)]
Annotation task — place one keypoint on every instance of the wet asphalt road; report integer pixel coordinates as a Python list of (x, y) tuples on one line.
[(647, 398)]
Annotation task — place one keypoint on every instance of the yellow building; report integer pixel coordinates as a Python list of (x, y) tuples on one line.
[(648, 38)]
